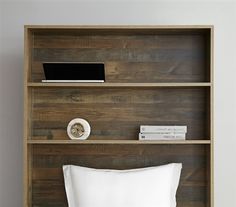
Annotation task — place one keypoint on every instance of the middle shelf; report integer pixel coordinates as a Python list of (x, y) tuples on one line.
[(118, 142), (117, 113)]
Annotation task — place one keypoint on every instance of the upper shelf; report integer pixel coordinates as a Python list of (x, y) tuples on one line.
[(202, 84), (131, 55)]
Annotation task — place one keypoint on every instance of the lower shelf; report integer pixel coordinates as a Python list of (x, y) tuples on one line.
[(46, 161), (118, 142)]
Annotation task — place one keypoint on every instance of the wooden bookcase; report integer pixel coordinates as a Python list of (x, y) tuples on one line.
[(160, 75)]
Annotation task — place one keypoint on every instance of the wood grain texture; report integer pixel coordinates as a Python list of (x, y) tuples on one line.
[(120, 30), (118, 113), (136, 72), (128, 58), (28, 39), (48, 185), (117, 41), (211, 161)]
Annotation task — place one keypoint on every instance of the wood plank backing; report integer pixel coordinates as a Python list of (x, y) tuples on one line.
[(47, 178), (115, 113), (139, 72), (117, 41), (128, 58)]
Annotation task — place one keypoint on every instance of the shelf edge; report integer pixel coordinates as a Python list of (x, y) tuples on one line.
[(203, 84), (117, 142)]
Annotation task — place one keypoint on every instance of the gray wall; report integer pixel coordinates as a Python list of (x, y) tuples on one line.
[(14, 14)]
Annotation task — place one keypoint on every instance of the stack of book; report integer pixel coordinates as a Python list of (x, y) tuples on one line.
[(148, 132)]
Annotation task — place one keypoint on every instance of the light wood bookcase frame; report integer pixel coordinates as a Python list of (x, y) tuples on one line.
[(154, 75)]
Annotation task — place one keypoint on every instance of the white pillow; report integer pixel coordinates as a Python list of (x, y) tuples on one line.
[(144, 187)]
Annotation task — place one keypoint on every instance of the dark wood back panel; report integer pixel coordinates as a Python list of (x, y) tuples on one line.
[(47, 178), (134, 57), (117, 113)]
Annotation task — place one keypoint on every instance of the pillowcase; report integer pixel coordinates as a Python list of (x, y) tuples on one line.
[(152, 186)]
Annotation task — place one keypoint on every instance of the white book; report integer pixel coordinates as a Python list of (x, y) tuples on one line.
[(153, 129), (144, 136)]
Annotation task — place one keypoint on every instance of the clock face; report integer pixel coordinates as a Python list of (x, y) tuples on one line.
[(77, 130)]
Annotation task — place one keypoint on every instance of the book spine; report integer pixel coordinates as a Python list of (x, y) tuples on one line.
[(161, 137), (172, 133), (154, 129)]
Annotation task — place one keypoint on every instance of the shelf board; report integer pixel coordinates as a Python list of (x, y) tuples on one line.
[(199, 84), (117, 142), (50, 27)]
